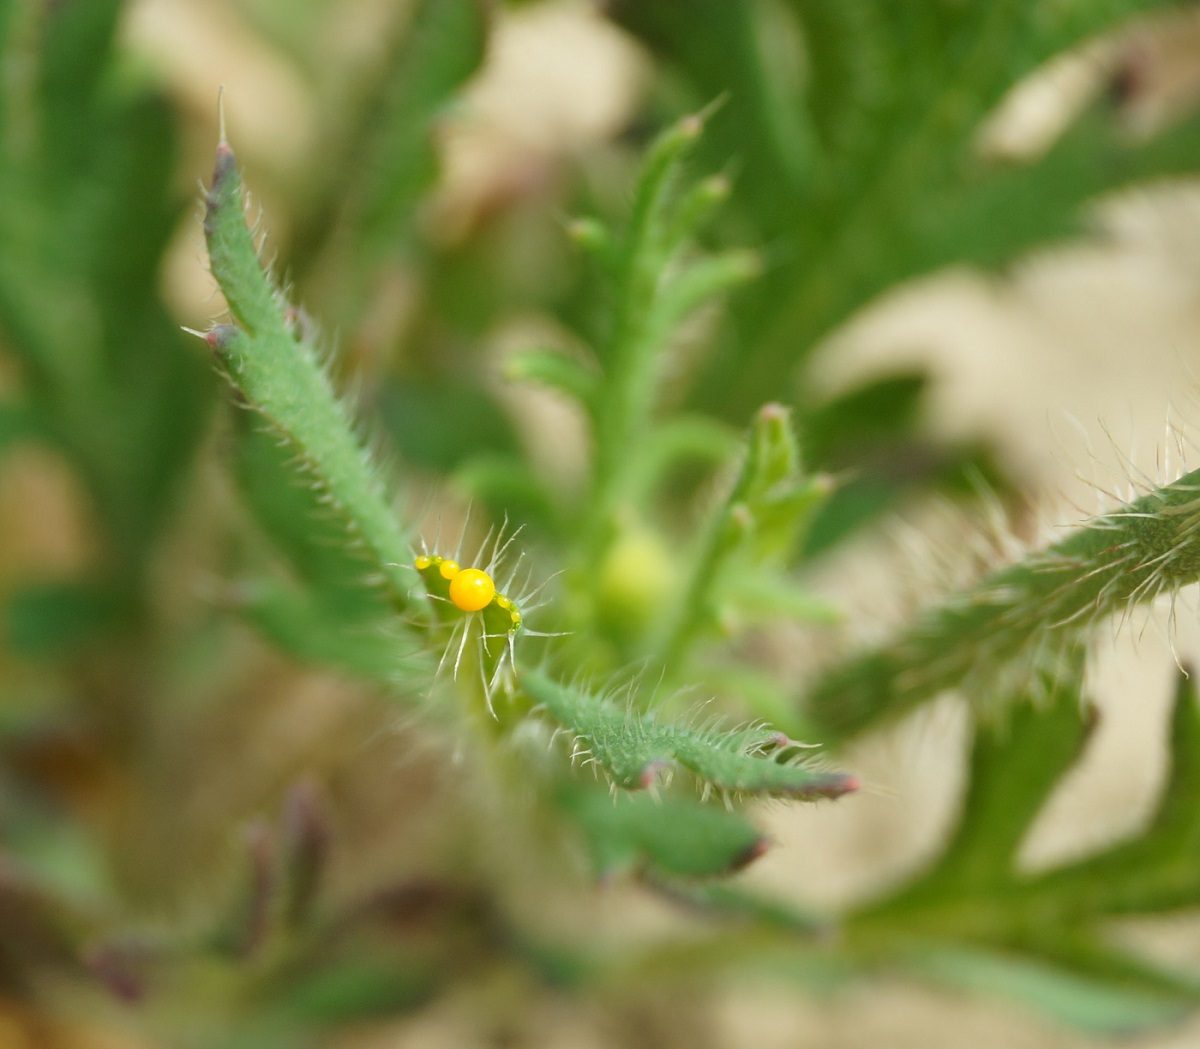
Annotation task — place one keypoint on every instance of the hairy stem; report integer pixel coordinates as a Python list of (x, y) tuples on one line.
[(280, 377), (1024, 619)]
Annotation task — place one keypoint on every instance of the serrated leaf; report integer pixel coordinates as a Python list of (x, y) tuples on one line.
[(756, 527), (1155, 871), (634, 748), (778, 496), (630, 352), (876, 177), (1016, 761), (976, 921)]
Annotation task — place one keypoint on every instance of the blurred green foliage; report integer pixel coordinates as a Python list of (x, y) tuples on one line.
[(200, 807)]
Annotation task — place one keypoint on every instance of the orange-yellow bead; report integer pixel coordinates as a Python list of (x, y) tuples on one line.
[(449, 569), (471, 589), (422, 562)]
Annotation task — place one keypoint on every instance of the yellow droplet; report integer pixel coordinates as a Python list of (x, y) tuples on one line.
[(449, 569), (422, 562), (471, 589)]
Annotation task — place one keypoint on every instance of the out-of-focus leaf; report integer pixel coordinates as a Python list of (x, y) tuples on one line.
[(508, 486), (107, 372), (354, 989), (673, 836), (875, 177), (315, 632), (1015, 763), (1155, 871), (132, 208), (879, 409), (773, 491), (675, 441), (49, 621), (556, 370), (769, 598), (760, 523), (76, 47), (1093, 1005), (976, 922), (17, 423), (442, 45), (388, 160), (886, 472), (439, 425)]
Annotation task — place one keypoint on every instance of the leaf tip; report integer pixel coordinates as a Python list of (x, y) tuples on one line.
[(219, 336), (224, 167), (835, 785), (649, 775), (116, 966), (692, 125), (824, 484), (717, 187), (757, 850)]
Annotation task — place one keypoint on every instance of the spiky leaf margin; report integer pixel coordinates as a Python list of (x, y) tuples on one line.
[(634, 749)]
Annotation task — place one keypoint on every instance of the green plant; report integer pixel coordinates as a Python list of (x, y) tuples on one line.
[(566, 688)]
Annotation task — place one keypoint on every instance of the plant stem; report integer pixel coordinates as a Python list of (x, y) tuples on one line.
[(1026, 618), (280, 377)]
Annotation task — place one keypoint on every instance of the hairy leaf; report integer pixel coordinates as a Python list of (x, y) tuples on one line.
[(280, 377), (635, 748)]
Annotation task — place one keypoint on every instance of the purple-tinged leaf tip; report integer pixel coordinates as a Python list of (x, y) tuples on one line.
[(650, 773), (118, 967), (220, 336), (834, 785), (756, 851)]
